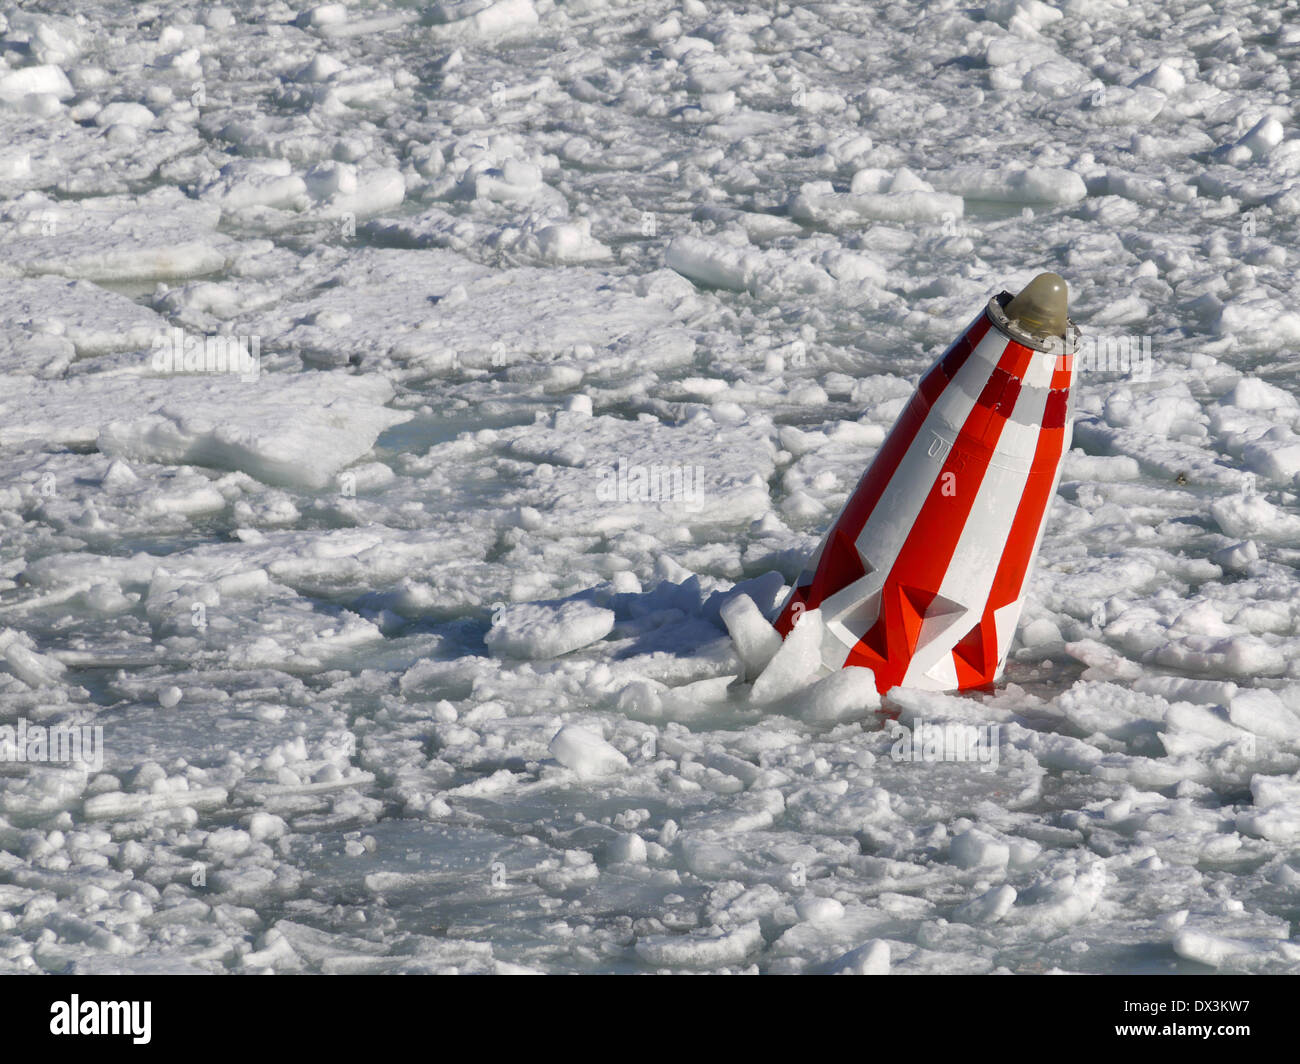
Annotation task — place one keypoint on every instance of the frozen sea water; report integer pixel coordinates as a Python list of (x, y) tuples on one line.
[(524, 339)]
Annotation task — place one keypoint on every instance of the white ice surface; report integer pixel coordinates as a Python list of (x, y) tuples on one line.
[(439, 643)]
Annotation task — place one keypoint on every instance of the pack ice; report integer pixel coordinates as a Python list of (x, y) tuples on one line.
[(411, 417)]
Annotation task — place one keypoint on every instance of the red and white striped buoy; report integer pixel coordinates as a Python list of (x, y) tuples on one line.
[(922, 576)]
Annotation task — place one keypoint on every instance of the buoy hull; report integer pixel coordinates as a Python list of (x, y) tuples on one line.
[(922, 576)]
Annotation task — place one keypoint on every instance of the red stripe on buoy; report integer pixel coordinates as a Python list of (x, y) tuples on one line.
[(839, 554), (926, 555), (975, 670)]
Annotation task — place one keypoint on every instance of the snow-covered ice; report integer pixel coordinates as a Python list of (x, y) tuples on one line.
[(412, 415)]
